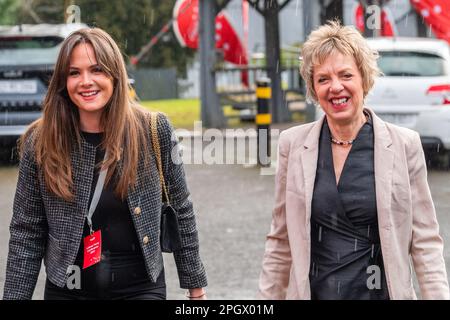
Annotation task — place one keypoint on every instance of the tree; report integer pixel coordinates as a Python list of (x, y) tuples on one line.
[(270, 10), (130, 23), (8, 12)]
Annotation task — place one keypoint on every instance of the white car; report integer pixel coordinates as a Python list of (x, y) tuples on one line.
[(414, 91)]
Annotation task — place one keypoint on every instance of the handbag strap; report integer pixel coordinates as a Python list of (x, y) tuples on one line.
[(157, 150)]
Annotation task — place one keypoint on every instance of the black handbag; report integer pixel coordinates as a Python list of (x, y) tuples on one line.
[(170, 238)]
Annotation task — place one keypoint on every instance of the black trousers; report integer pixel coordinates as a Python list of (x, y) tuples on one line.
[(53, 292), (111, 281)]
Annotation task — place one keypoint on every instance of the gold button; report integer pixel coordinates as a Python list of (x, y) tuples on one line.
[(137, 210), (145, 240)]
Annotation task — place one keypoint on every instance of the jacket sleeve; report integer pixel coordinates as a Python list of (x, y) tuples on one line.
[(276, 266), (427, 244), (191, 272), (28, 230)]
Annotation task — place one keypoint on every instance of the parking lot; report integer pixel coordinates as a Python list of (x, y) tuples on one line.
[(233, 205)]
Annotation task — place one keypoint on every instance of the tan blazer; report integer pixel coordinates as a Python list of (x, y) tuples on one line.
[(406, 215)]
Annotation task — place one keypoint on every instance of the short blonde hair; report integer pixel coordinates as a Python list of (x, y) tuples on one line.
[(328, 39)]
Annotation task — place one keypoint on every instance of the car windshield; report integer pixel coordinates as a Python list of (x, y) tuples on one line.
[(28, 50), (411, 64)]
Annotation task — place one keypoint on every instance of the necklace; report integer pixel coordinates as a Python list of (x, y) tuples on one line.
[(342, 143), (348, 142)]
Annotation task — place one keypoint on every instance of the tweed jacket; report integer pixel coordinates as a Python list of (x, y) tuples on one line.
[(407, 221), (46, 227)]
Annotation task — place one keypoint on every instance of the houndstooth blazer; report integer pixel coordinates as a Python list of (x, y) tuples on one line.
[(46, 227)]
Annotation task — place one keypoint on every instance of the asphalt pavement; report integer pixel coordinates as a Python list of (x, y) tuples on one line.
[(233, 204)]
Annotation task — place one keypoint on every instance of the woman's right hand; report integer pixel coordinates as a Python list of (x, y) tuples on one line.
[(196, 294)]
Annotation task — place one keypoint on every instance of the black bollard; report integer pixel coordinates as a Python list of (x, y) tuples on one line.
[(263, 120)]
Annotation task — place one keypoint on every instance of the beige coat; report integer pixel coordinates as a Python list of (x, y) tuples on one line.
[(406, 216)]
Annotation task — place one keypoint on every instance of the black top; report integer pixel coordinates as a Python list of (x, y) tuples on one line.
[(122, 263), (112, 215), (346, 258)]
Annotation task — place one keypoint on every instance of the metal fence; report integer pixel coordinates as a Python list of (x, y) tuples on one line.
[(233, 92), (155, 84)]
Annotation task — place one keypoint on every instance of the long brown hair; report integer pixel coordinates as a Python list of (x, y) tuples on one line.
[(59, 128)]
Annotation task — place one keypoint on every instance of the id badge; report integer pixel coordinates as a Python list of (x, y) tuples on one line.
[(92, 249)]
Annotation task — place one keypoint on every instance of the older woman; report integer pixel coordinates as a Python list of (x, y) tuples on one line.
[(352, 199)]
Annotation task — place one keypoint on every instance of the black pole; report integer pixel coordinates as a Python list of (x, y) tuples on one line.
[(280, 110), (263, 120), (211, 111), (308, 25)]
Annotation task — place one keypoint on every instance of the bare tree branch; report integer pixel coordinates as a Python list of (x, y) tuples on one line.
[(222, 5), (27, 7), (284, 4), (255, 5)]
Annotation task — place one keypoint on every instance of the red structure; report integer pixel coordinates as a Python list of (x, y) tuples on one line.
[(436, 14), (186, 29)]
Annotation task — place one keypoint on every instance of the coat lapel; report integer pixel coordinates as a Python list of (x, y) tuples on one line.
[(383, 162), (384, 165), (309, 156), (83, 162), (83, 175)]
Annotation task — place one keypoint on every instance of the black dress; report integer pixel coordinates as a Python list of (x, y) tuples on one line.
[(346, 257), (121, 273)]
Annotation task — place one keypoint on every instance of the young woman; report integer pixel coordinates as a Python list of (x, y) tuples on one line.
[(90, 126)]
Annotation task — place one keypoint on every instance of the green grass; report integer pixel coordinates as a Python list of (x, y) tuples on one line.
[(182, 113)]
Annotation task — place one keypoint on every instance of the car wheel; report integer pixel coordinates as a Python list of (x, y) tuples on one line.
[(443, 159), (438, 160), (8, 155)]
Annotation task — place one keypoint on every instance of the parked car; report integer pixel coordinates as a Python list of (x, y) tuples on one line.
[(27, 57), (414, 91)]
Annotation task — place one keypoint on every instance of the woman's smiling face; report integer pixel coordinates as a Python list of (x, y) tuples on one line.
[(88, 86), (339, 88)]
